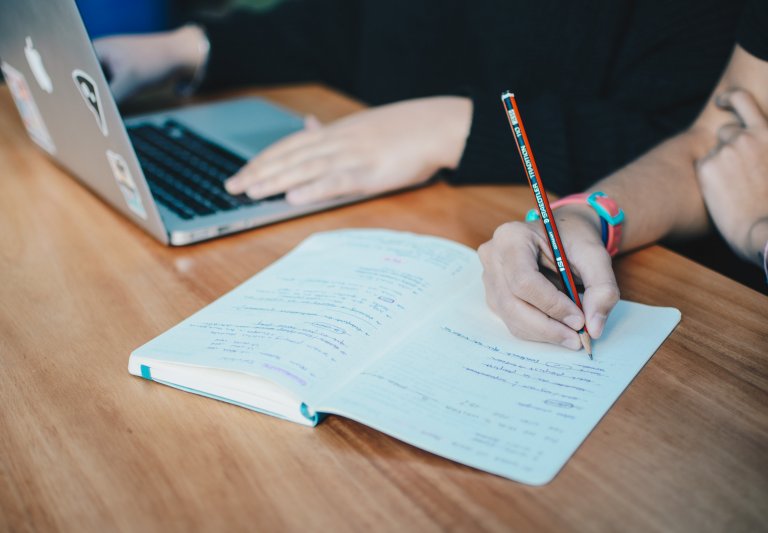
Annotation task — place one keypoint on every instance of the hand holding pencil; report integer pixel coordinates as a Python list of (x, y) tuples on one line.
[(516, 289)]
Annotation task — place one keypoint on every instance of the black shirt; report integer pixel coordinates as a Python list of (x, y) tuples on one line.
[(598, 81), (752, 34)]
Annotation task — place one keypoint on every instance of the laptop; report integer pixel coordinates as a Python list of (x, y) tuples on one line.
[(164, 170)]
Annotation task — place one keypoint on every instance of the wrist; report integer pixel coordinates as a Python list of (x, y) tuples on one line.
[(453, 122), (602, 209), (580, 217)]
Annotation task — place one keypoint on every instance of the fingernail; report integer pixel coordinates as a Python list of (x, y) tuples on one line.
[(574, 322), (596, 325), (572, 343)]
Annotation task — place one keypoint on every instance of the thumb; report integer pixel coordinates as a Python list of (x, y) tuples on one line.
[(601, 291)]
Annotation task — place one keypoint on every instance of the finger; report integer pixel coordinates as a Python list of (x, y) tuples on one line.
[(723, 100), (541, 289), (323, 189), (746, 107), (527, 322), (293, 141), (291, 177), (727, 133), (520, 265), (535, 289), (293, 144), (265, 167), (541, 246), (699, 163), (601, 292), (514, 249)]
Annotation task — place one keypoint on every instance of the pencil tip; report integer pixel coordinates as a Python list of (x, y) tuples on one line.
[(586, 341)]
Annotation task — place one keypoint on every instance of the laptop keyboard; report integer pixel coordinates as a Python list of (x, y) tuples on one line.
[(186, 172)]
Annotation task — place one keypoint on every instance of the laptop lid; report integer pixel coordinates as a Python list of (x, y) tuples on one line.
[(64, 100)]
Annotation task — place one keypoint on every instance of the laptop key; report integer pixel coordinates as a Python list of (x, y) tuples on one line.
[(171, 203), (193, 201)]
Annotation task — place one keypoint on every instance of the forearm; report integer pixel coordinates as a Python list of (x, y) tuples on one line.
[(454, 116), (659, 192)]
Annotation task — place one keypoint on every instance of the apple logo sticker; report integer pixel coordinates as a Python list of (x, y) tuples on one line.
[(90, 93), (37, 66)]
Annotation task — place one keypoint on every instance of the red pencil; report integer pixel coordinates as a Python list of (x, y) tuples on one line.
[(534, 180)]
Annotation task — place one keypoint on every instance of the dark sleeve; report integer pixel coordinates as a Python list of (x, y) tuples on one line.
[(663, 72), (300, 40), (576, 142), (753, 29)]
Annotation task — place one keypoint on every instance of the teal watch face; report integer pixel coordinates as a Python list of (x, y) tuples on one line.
[(613, 220)]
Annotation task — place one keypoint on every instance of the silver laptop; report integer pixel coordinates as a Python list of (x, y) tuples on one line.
[(164, 171)]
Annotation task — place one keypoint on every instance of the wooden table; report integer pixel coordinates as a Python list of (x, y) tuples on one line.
[(84, 446)]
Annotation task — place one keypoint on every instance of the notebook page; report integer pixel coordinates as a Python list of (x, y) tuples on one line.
[(462, 387), (320, 312)]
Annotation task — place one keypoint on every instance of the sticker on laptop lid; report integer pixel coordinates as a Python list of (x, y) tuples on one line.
[(37, 66), (125, 182), (28, 110), (90, 93)]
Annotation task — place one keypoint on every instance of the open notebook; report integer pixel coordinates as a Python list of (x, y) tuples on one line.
[(391, 329)]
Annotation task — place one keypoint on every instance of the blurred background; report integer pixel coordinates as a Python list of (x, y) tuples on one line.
[(105, 17), (108, 17)]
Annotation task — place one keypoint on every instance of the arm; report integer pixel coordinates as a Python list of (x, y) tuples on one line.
[(661, 198)]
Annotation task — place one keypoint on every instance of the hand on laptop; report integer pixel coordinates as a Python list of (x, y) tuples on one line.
[(136, 62), (734, 177), (376, 150), (530, 305)]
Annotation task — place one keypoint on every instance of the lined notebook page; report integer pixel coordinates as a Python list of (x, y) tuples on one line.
[(462, 387), (321, 312)]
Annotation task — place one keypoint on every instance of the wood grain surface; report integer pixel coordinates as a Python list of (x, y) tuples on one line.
[(84, 446)]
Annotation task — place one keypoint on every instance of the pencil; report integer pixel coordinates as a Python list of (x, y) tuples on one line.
[(534, 180)]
